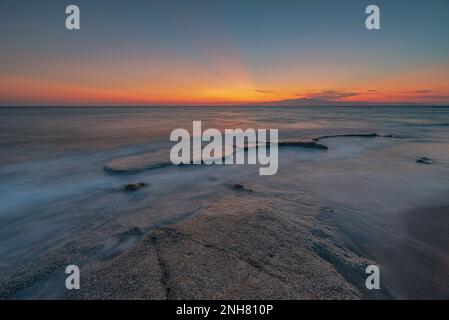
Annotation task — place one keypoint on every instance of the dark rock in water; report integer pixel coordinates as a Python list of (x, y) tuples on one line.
[(392, 136), (311, 144), (303, 144), (348, 135), (424, 160), (357, 135), (133, 187), (240, 187)]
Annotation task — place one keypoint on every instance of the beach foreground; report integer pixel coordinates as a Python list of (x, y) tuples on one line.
[(235, 250)]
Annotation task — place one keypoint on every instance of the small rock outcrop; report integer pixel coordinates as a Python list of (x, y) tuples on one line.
[(132, 187), (424, 160), (240, 187)]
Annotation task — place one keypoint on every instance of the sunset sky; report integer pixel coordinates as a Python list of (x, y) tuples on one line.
[(225, 52)]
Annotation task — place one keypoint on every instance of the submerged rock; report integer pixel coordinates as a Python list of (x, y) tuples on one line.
[(308, 144), (303, 144), (240, 187), (348, 135), (133, 187), (424, 160)]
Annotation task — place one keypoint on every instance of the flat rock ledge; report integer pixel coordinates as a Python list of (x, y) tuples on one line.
[(225, 253)]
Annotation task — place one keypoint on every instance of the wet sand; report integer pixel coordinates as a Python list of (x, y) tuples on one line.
[(417, 265)]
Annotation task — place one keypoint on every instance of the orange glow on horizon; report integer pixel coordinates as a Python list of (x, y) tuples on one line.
[(225, 81)]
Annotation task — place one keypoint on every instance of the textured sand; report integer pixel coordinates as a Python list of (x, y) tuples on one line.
[(226, 253), (237, 249)]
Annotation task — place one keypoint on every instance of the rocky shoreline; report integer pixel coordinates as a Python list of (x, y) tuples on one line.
[(239, 248), (230, 253)]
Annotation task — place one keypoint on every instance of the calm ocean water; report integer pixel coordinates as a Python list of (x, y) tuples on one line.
[(54, 190)]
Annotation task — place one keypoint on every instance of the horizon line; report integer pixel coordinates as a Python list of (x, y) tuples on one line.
[(227, 106)]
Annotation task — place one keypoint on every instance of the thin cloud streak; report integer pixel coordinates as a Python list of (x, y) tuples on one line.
[(264, 91), (328, 94)]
